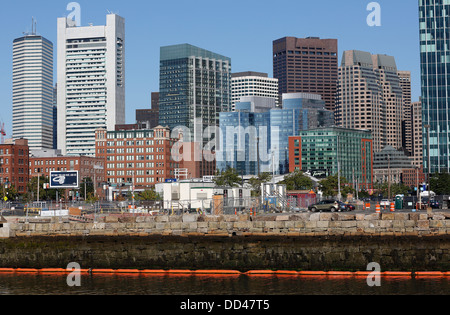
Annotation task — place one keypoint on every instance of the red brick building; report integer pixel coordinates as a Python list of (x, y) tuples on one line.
[(14, 159), (413, 177), (87, 167), (142, 157), (195, 161)]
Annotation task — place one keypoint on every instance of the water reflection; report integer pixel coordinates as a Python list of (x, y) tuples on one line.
[(131, 284)]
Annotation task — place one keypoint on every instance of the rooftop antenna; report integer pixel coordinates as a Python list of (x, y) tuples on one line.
[(32, 26)]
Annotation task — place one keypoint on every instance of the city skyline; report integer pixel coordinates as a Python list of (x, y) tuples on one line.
[(232, 40)]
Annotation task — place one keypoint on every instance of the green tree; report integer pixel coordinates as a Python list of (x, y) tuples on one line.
[(256, 183), (9, 192), (440, 183), (89, 185), (32, 188), (44, 194), (228, 178), (91, 198), (396, 189), (329, 186), (298, 181), (148, 195)]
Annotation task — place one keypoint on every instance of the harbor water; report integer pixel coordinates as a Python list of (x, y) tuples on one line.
[(130, 284)]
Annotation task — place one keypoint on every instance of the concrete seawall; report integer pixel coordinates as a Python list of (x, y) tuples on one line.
[(303, 224), (320, 241)]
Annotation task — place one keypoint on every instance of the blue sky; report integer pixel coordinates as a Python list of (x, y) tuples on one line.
[(242, 30)]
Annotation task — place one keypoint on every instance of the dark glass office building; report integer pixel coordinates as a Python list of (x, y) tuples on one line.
[(194, 86), (434, 24)]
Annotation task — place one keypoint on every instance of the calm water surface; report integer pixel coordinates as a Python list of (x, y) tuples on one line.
[(55, 284)]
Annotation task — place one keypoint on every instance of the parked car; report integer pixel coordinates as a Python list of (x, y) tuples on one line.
[(16, 206), (326, 205), (434, 204), (346, 206), (350, 207)]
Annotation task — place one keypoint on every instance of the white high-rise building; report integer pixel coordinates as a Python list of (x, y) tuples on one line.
[(91, 82), (33, 91), (252, 84)]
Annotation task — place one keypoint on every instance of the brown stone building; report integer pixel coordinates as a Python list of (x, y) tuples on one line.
[(308, 65)]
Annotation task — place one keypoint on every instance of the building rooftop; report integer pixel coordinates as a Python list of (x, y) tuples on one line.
[(186, 50), (249, 74)]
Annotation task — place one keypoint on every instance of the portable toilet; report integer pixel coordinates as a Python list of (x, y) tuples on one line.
[(398, 203)]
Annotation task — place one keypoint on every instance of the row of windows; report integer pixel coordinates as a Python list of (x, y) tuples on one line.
[(298, 52)]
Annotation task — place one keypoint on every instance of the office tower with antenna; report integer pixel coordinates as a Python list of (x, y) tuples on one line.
[(32, 89)]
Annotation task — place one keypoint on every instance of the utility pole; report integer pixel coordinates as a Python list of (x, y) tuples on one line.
[(429, 160), (339, 170), (133, 193), (429, 209), (257, 152), (389, 176), (419, 196), (38, 188)]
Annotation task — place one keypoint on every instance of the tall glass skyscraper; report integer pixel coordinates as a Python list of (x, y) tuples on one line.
[(434, 22), (195, 86), (33, 91)]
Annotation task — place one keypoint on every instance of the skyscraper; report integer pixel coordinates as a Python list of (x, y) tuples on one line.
[(91, 82), (435, 80), (405, 83), (33, 91), (244, 84), (194, 88), (370, 97), (308, 65), (417, 140)]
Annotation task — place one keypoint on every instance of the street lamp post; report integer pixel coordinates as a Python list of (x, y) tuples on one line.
[(429, 167), (389, 177), (257, 152), (419, 196), (339, 170), (38, 188), (427, 127)]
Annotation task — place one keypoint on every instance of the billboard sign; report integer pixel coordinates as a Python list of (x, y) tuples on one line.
[(67, 179)]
